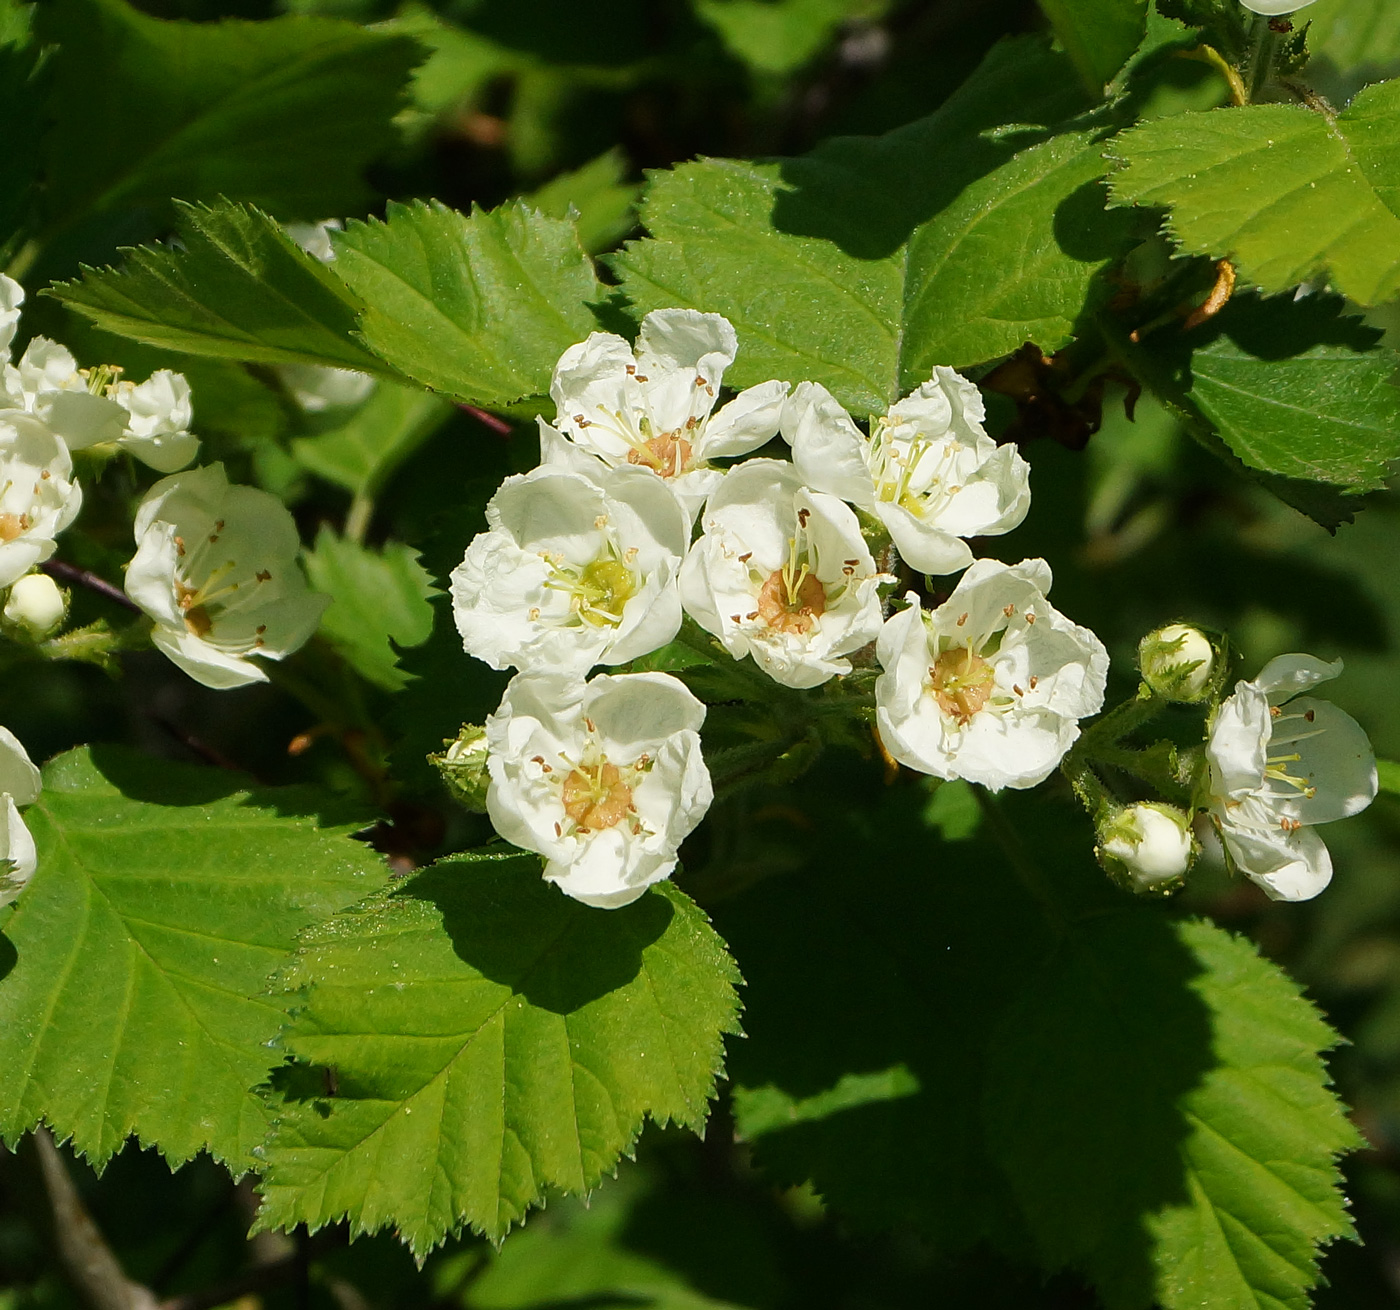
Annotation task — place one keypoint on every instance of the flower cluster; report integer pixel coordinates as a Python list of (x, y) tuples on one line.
[(216, 565), (638, 515)]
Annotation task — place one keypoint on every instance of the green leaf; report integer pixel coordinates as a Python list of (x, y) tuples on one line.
[(1355, 34), (380, 596), (148, 109), (603, 205), (1289, 194), (21, 123), (866, 262), (1099, 35), (239, 289), (164, 898), (361, 453), (1295, 389), (780, 36), (478, 308), (490, 1039), (1176, 1048)]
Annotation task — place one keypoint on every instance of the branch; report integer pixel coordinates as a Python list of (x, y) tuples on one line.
[(77, 577), (94, 1271)]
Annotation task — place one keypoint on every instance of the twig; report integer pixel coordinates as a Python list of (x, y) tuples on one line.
[(497, 425), (77, 577), (95, 1272)]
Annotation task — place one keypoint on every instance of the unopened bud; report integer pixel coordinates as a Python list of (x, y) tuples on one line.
[(36, 604), (463, 767), (1178, 662), (1271, 8), (1147, 848)]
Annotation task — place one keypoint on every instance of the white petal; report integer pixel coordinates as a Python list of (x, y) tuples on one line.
[(18, 776), (557, 451), (827, 447), (83, 419), (1337, 761), (685, 339), (205, 663), (921, 545), (1287, 675), (749, 421), (16, 846), (635, 712), (1237, 747), (1273, 8), (1288, 866), (11, 298)]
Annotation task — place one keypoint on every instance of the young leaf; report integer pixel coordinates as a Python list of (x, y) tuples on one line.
[(164, 898), (148, 109), (1289, 194), (380, 596), (490, 1039), (362, 453), (970, 249), (478, 308), (1295, 389), (779, 36), (605, 207), (1181, 1054), (239, 289), (1099, 35)]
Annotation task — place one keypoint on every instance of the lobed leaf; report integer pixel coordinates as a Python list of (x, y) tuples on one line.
[(239, 289), (477, 307), (133, 998), (490, 1039), (861, 264), (380, 597), (146, 109), (1289, 194), (1188, 1106)]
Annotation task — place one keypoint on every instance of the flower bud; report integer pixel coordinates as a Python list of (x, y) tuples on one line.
[(1178, 662), (1147, 848), (36, 604), (463, 767)]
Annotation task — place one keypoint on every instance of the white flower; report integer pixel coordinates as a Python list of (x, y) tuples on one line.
[(36, 603), (991, 685), (782, 574), (1148, 845), (158, 417), (1274, 7), (47, 383), (89, 407), (652, 407), (19, 785), (11, 298), (1280, 763), (1177, 662), (37, 497), (603, 779), (216, 568), (927, 470), (578, 569), (315, 238)]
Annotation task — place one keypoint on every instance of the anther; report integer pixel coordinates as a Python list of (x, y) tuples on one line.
[(1033, 682), (1310, 716), (962, 618), (263, 575), (1030, 618), (1009, 611)]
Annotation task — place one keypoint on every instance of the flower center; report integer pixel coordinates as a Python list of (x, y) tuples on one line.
[(597, 797), (13, 526), (598, 591), (667, 454), (791, 600), (962, 683), (895, 468)]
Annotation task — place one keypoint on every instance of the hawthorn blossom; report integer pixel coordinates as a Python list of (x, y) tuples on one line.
[(604, 779), (19, 785), (1148, 847), (93, 407), (992, 684), (577, 569), (38, 498), (928, 470), (11, 298), (782, 573), (216, 568), (1280, 763), (36, 605), (652, 406)]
